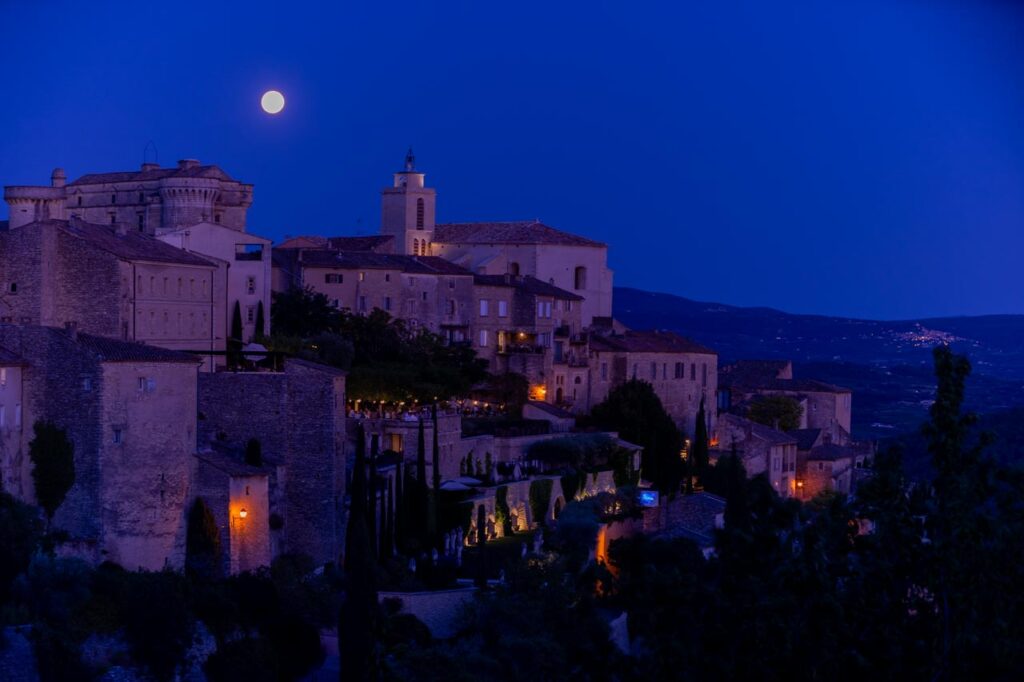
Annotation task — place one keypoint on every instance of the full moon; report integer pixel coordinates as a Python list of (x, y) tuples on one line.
[(272, 102)]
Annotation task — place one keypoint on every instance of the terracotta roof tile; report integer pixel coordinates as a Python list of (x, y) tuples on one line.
[(155, 174), (351, 260), (647, 342), (528, 284), (515, 232), (114, 350)]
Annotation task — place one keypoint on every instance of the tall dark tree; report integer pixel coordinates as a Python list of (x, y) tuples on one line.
[(261, 323), (699, 450), (202, 543), (371, 496), (481, 542), (358, 619), (387, 515), (398, 525), (302, 313), (435, 493), (421, 513), (636, 413), (53, 465), (235, 339), (777, 411)]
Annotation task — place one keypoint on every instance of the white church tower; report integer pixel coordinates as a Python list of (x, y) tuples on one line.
[(407, 211)]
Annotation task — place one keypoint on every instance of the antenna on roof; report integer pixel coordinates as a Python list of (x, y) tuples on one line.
[(145, 153)]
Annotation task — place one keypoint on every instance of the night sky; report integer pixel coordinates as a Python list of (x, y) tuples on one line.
[(851, 158)]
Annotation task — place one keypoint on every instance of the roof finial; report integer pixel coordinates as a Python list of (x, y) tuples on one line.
[(410, 161)]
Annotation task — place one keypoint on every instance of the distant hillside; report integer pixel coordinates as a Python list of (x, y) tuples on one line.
[(887, 364)]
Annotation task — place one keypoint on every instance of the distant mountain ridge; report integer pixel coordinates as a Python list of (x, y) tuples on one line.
[(886, 363)]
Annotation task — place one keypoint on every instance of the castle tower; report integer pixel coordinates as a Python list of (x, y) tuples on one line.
[(407, 211)]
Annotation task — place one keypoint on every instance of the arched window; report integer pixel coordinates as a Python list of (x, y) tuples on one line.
[(416, 247), (513, 268), (419, 214), (581, 277)]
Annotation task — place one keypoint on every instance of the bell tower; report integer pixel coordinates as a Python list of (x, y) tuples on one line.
[(407, 211)]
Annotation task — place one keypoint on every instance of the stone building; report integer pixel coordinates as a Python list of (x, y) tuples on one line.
[(196, 208), (246, 259), (130, 414), (762, 449), (425, 291), (521, 248), (298, 417), (111, 282), (823, 406), (681, 372), (823, 464), (152, 199), (523, 325)]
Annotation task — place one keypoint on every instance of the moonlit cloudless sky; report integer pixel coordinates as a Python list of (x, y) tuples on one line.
[(860, 158)]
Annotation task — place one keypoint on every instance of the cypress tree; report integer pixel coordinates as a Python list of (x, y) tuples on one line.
[(235, 340), (357, 619), (398, 508), (421, 512), (371, 498), (202, 543), (357, 493), (481, 541), (260, 320), (387, 541), (53, 466), (435, 521), (699, 452)]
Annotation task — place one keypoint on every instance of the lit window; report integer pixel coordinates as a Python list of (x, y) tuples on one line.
[(362, 276), (3, 376)]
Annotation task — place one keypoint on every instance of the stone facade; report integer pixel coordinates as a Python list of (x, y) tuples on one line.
[(111, 283), (680, 371), (151, 200), (521, 325), (298, 416), (823, 406), (129, 411), (426, 292), (246, 258), (764, 451)]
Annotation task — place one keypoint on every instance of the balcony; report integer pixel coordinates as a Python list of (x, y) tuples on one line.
[(578, 339), (521, 349)]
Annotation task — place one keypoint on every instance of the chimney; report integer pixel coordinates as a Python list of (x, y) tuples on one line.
[(185, 164), (71, 327), (121, 229), (57, 178), (150, 167)]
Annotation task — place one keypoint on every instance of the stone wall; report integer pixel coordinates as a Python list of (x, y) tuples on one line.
[(298, 417)]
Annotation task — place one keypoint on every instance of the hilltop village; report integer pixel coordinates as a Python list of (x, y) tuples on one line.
[(135, 317)]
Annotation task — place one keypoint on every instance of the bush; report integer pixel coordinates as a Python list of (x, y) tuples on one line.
[(53, 465), (540, 498)]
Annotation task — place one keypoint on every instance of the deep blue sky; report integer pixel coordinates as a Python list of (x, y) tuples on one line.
[(860, 158)]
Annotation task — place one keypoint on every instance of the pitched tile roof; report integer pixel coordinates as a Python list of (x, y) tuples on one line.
[(197, 171), (528, 284), (758, 431), (364, 243), (805, 438), (647, 342), (129, 244), (550, 409), (370, 260), (115, 350), (514, 232), (10, 359), (751, 372)]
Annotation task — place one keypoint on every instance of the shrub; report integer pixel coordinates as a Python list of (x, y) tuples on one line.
[(53, 465), (540, 498)]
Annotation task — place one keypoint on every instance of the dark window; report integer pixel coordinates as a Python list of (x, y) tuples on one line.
[(113, 198), (693, 371), (513, 269), (79, 199), (216, 217), (142, 198), (581, 277), (419, 214), (142, 222)]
